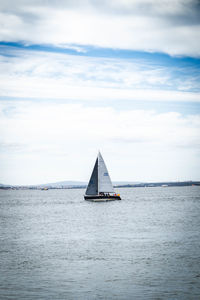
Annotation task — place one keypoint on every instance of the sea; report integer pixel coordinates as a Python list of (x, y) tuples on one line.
[(55, 245)]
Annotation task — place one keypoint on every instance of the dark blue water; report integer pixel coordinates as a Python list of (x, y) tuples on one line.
[(55, 245)]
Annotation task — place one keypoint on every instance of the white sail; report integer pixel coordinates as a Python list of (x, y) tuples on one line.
[(100, 180), (104, 181)]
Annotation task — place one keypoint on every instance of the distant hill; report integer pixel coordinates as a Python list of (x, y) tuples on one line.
[(5, 185), (125, 182), (60, 184), (83, 184), (64, 184), (56, 185)]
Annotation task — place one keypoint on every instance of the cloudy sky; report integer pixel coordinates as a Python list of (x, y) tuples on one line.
[(120, 76)]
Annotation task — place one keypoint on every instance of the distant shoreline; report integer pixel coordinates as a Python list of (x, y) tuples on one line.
[(143, 184)]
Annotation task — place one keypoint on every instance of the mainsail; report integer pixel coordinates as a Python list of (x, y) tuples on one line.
[(100, 180), (104, 182)]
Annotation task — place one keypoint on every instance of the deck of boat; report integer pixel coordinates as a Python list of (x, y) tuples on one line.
[(101, 198)]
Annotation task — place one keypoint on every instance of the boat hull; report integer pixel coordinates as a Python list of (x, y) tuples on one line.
[(101, 198)]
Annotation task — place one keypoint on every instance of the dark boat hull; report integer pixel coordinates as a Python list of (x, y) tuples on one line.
[(101, 198)]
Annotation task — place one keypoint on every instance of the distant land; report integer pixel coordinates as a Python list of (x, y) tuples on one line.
[(82, 185), (61, 185)]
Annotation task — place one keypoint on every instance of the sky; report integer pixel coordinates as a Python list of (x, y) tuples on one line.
[(119, 76)]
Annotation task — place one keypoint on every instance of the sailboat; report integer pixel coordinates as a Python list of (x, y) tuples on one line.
[(100, 187)]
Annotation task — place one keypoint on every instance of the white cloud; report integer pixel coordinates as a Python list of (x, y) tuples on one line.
[(61, 76), (164, 26), (45, 142)]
